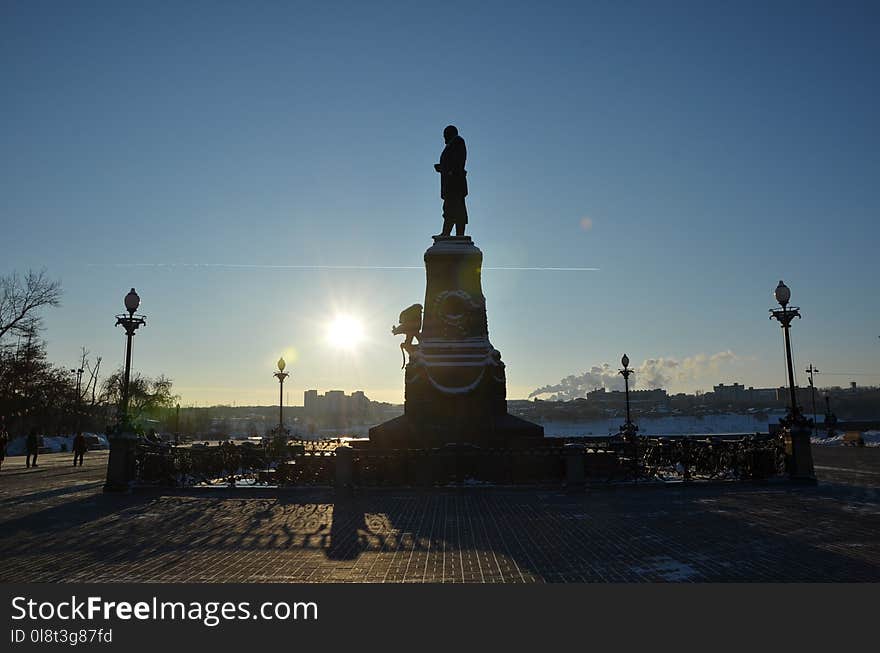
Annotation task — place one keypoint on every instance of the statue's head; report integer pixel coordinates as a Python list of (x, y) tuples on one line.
[(450, 132)]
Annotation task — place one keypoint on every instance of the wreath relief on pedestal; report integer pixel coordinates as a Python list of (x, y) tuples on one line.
[(458, 313)]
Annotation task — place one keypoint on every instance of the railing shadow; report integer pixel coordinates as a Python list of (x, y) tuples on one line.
[(718, 533)]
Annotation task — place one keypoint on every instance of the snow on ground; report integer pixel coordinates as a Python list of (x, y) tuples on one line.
[(871, 438), (666, 425), (53, 443)]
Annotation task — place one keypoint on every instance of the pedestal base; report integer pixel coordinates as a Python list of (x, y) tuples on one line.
[(799, 455), (502, 432), (121, 463), (455, 383)]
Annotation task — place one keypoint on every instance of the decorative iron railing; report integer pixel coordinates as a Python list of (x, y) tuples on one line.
[(299, 462), (685, 458), (598, 460)]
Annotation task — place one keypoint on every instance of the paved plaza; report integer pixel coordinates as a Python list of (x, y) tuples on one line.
[(56, 525)]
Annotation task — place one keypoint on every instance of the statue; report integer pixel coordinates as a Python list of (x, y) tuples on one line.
[(455, 385), (410, 326), (453, 183)]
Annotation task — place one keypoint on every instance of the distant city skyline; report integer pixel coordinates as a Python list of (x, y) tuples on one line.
[(641, 177)]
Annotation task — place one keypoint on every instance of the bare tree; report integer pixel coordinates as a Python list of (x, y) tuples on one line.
[(22, 297)]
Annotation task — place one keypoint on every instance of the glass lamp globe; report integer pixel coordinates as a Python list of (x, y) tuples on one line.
[(281, 364), (625, 360), (782, 293), (132, 301)]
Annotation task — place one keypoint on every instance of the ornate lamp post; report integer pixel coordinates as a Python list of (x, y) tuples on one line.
[(628, 428), (120, 467), (629, 431), (796, 429), (785, 317), (130, 323), (281, 375)]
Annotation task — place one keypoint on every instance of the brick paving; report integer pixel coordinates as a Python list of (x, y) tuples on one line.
[(57, 525)]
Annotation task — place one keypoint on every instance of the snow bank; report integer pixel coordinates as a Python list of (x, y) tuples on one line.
[(52, 443)]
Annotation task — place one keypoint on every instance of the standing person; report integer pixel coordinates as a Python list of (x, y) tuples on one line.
[(453, 182), (4, 439), (79, 448), (33, 447)]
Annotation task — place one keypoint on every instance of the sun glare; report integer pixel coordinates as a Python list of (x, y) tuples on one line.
[(345, 332)]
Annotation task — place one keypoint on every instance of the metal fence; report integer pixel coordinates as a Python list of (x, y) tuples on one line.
[(300, 462), (590, 460)]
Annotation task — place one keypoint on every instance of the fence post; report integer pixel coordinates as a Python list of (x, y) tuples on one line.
[(574, 464), (344, 466)]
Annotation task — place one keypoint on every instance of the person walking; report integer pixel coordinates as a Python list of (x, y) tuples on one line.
[(79, 448), (33, 447)]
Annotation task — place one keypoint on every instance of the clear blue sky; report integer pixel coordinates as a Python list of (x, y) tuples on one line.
[(713, 148)]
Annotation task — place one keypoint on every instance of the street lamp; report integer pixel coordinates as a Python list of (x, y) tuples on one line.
[(785, 317), (123, 443), (812, 370), (281, 375), (628, 428), (77, 408), (830, 418), (130, 323), (796, 431)]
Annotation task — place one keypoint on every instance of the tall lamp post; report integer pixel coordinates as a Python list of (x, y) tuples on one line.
[(130, 323), (628, 428), (77, 408), (281, 375), (830, 418), (796, 430), (629, 431), (812, 370), (120, 467)]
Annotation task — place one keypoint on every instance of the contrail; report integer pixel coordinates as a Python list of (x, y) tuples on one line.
[(259, 266)]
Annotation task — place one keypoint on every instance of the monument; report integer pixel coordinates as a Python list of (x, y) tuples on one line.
[(455, 384)]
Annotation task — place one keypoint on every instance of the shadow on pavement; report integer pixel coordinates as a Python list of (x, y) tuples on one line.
[(728, 532)]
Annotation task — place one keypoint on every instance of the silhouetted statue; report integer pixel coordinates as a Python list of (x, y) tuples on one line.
[(410, 326), (453, 182)]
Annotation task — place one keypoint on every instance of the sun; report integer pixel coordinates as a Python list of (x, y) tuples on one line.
[(345, 332)]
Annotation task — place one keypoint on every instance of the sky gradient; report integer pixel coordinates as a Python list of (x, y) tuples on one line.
[(695, 153)]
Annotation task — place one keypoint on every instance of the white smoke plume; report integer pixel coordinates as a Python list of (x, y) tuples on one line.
[(572, 387), (652, 373)]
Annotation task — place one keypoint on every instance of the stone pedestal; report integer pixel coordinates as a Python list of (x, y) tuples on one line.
[(344, 467), (121, 462), (799, 454), (455, 385)]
